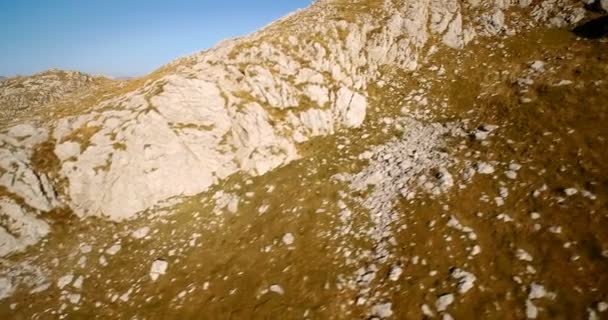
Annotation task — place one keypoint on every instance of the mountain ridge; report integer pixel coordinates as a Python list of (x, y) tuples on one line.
[(313, 90), (369, 159)]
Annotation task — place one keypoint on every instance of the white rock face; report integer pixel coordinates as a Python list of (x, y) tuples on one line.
[(21, 275), (67, 150), (19, 228), (16, 172), (350, 107)]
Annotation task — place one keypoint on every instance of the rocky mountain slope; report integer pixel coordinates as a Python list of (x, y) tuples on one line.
[(394, 134), (20, 95)]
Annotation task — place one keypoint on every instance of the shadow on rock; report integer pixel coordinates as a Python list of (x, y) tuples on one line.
[(594, 29)]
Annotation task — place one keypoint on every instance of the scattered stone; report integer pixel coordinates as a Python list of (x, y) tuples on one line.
[(78, 282), (523, 255), (537, 291), (159, 267), (395, 273), (531, 310), (444, 301), (140, 233), (483, 132), (484, 168), (538, 66), (476, 250), (564, 83), (426, 310), (73, 298), (86, 249), (233, 205), (64, 281), (465, 279), (511, 174), (382, 310), (288, 239), (277, 289), (113, 249)]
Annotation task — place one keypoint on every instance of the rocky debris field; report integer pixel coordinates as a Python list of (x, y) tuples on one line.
[(471, 185)]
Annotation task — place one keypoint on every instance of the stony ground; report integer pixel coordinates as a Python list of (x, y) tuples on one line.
[(475, 189)]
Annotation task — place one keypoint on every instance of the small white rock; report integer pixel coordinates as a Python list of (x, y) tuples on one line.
[(288, 239), (73, 298), (476, 250), (523, 255), (233, 205), (277, 289), (531, 310), (426, 310), (444, 301), (64, 281), (382, 310), (485, 168), (499, 201), (140, 233), (395, 273), (158, 268), (511, 174), (514, 167), (113, 249), (78, 282), (465, 279), (591, 315), (86, 248), (538, 65), (537, 291)]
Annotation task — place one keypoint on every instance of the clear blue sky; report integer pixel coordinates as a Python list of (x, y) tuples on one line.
[(122, 37)]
